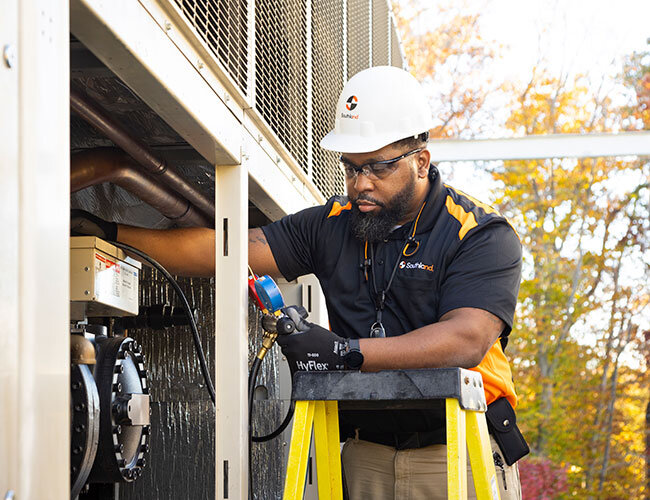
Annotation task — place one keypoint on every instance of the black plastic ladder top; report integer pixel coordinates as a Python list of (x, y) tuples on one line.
[(392, 389)]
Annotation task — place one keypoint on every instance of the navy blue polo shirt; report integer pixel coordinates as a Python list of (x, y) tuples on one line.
[(468, 256)]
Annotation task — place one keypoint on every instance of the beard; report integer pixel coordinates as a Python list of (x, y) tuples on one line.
[(376, 227)]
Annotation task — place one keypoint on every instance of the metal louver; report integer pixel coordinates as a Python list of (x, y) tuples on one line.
[(396, 58), (358, 36), (281, 72), (328, 79), (302, 59), (380, 33), (223, 26)]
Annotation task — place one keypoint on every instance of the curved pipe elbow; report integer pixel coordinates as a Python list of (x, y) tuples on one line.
[(96, 166)]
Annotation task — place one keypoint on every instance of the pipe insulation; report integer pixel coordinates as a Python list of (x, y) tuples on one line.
[(95, 166), (154, 166)]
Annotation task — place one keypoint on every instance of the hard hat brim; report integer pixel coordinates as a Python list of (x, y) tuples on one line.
[(344, 143)]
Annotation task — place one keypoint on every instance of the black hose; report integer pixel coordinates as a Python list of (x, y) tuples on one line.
[(186, 306), (280, 429)]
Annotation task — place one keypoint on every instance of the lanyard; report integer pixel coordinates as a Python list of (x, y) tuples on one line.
[(377, 328)]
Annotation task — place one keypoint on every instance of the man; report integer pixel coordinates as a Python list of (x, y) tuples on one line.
[(415, 275)]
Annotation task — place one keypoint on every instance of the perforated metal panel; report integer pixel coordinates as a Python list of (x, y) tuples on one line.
[(358, 36), (328, 70), (395, 49), (281, 72), (380, 32), (223, 25), (346, 36)]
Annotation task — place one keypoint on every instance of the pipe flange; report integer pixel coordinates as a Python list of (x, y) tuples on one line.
[(84, 426), (125, 426)]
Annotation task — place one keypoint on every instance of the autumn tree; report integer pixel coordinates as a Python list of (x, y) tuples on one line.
[(584, 227), (577, 346), (445, 50)]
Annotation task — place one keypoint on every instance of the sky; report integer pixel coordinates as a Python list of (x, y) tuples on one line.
[(576, 36), (587, 37)]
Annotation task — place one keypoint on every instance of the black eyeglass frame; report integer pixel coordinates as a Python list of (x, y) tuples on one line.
[(367, 168)]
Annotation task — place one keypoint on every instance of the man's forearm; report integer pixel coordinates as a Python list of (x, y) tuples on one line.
[(185, 251), (461, 339)]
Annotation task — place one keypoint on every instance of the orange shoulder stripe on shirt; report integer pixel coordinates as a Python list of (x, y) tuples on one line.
[(488, 209), (337, 209), (466, 219)]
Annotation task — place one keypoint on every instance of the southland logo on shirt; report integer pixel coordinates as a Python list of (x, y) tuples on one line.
[(416, 265)]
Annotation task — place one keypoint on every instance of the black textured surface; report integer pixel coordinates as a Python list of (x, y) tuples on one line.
[(391, 388), (268, 462), (182, 442)]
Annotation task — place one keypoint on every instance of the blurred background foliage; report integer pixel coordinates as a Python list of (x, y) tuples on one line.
[(580, 347)]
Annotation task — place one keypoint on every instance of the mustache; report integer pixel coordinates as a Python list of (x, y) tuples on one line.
[(365, 197)]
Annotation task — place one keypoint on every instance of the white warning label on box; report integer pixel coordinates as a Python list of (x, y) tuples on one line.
[(116, 282)]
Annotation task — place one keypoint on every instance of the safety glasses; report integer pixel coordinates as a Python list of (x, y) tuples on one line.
[(376, 170)]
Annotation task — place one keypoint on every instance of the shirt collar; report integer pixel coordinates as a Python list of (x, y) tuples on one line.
[(431, 211)]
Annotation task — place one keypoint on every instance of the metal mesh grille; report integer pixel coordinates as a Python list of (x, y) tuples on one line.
[(327, 46), (380, 33), (282, 66), (395, 51), (223, 25), (281, 72), (358, 36)]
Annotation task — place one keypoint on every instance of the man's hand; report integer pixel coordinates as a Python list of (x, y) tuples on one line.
[(314, 349), (84, 223)]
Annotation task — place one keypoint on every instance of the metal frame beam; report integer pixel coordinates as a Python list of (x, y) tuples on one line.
[(231, 318), (542, 146), (124, 36), (34, 290)]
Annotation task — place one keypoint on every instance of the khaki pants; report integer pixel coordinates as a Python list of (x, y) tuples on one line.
[(377, 472)]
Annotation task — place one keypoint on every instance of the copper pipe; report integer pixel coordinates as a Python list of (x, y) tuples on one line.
[(156, 167), (99, 165)]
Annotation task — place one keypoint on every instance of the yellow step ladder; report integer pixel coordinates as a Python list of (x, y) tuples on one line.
[(318, 396)]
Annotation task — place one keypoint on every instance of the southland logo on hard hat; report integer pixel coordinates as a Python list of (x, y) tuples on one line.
[(350, 104), (378, 106), (416, 265)]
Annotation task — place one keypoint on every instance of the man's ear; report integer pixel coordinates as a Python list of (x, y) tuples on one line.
[(423, 159)]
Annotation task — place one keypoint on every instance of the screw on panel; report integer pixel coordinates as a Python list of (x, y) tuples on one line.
[(86, 269), (9, 55), (86, 292), (200, 64), (168, 25)]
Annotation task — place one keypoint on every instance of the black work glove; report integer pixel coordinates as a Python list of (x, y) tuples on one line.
[(313, 349), (84, 223)]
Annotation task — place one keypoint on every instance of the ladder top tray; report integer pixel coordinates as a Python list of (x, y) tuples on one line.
[(392, 388)]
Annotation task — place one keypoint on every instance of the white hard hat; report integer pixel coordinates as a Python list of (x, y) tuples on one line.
[(378, 106)]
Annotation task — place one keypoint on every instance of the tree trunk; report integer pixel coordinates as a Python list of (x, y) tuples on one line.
[(647, 450), (608, 433), (547, 400)]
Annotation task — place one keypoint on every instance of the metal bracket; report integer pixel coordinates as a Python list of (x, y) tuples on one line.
[(132, 409)]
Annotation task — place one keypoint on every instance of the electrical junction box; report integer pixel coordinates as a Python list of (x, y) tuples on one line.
[(103, 279)]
